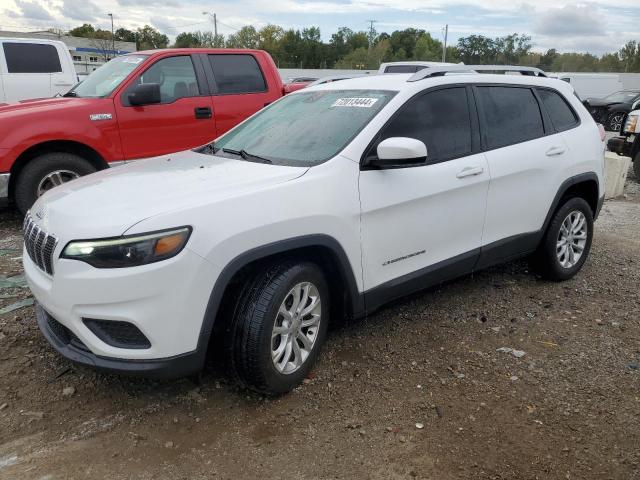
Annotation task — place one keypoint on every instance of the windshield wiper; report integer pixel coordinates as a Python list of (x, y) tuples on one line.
[(246, 155), (70, 94)]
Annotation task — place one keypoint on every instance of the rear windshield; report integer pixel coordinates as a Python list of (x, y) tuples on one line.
[(306, 128)]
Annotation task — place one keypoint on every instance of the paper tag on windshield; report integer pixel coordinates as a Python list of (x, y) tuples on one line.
[(134, 60), (362, 102)]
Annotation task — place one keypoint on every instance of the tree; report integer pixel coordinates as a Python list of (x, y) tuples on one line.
[(427, 48), (150, 39), (187, 40), (85, 30), (125, 35), (270, 39), (476, 49), (403, 42), (246, 37)]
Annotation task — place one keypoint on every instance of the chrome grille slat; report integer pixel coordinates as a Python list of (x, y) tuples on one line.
[(39, 244)]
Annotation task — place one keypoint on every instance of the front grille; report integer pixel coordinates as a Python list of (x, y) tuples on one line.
[(117, 333), (39, 244)]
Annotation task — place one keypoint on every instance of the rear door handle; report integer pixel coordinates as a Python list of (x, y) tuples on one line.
[(203, 112), (469, 172), (553, 151)]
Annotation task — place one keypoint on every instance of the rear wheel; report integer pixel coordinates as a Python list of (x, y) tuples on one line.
[(278, 327), (566, 243), (45, 172)]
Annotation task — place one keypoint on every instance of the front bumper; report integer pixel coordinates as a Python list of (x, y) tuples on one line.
[(4, 185), (164, 368), (166, 301)]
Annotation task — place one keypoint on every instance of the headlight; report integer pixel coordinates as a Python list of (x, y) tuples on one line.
[(631, 126), (128, 251)]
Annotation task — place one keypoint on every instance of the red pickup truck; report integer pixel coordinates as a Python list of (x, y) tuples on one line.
[(139, 105)]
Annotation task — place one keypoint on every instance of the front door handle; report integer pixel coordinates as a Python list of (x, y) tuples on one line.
[(469, 172), (553, 151), (203, 112)]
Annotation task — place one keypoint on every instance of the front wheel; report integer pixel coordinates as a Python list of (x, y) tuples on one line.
[(45, 172), (614, 122), (278, 327), (566, 243)]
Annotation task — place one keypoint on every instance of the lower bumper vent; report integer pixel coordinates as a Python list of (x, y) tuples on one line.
[(118, 334)]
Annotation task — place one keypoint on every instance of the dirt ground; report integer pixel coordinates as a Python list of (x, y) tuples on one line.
[(417, 390)]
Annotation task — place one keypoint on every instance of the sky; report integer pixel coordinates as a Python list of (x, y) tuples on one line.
[(597, 26)]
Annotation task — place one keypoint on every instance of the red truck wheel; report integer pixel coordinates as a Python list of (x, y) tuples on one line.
[(46, 171)]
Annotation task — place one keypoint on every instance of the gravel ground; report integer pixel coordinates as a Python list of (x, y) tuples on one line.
[(418, 390)]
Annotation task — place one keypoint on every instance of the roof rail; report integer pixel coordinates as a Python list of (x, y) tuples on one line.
[(441, 71)]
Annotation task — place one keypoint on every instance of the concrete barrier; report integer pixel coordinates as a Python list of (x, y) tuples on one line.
[(616, 168)]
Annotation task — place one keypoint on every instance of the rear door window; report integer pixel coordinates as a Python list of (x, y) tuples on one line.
[(509, 115), (562, 115), (441, 119), (237, 73), (31, 58)]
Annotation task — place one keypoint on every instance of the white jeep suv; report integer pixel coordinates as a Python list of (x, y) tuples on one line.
[(332, 201)]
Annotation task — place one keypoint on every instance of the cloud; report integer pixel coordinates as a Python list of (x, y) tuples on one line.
[(30, 11), (82, 10), (148, 3), (583, 20)]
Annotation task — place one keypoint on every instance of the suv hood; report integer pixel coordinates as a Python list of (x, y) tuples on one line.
[(598, 102), (109, 202)]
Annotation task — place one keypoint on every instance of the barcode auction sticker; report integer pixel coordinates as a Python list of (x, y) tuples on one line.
[(362, 102)]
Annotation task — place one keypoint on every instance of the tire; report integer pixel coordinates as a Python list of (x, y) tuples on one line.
[(33, 176), (636, 166), (250, 338), (614, 121), (555, 263)]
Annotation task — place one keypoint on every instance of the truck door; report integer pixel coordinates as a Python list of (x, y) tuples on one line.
[(182, 120), (239, 88)]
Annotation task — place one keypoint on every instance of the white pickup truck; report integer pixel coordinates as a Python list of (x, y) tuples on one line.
[(34, 68)]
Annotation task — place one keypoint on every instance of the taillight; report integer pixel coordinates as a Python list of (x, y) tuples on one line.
[(603, 135)]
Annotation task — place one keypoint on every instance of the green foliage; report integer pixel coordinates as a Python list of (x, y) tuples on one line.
[(366, 50)]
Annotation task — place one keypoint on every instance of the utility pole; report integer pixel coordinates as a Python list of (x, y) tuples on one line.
[(372, 32), (113, 39), (444, 45), (214, 19)]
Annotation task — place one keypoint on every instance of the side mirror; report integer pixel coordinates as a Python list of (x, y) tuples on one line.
[(398, 152), (144, 94)]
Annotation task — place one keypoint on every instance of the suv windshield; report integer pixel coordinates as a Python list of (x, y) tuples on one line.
[(306, 128), (622, 96), (105, 79)]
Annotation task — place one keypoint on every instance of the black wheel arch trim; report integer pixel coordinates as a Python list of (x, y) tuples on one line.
[(355, 298), (564, 188)]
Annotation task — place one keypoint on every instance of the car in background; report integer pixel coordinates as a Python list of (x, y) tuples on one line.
[(138, 105), (628, 143), (409, 67), (34, 68), (611, 111), (297, 83)]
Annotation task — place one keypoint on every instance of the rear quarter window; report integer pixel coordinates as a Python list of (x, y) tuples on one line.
[(237, 73), (509, 115), (31, 58), (562, 115)]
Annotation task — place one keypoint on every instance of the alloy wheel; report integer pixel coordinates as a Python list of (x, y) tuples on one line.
[(572, 239), (296, 327), (55, 178)]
